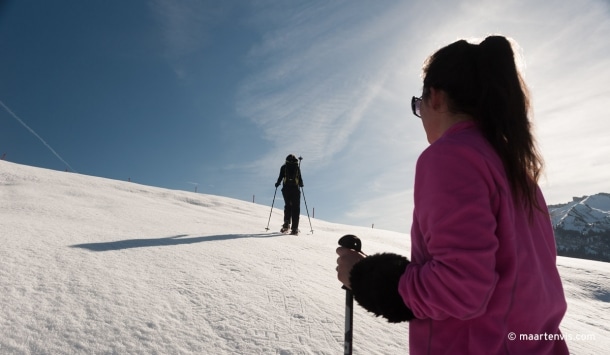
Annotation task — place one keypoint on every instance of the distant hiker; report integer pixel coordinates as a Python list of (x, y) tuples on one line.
[(290, 176), (482, 278)]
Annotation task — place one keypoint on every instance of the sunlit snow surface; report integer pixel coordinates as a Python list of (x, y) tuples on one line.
[(96, 266)]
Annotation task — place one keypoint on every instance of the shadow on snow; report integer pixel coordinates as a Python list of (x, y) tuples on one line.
[(167, 241)]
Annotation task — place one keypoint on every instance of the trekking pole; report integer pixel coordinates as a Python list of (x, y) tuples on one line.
[(304, 199), (271, 208), (354, 243)]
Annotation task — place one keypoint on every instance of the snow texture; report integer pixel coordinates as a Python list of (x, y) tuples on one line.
[(97, 266)]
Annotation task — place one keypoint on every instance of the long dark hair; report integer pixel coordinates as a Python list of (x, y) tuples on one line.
[(482, 80)]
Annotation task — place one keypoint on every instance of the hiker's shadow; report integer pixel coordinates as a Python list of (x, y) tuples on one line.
[(166, 241)]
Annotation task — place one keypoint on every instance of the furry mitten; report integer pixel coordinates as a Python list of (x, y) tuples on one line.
[(374, 283)]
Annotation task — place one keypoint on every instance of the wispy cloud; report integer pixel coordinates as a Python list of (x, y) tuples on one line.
[(316, 74), (568, 71), (332, 81)]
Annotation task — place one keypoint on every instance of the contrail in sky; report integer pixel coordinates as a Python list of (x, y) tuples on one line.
[(35, 134)]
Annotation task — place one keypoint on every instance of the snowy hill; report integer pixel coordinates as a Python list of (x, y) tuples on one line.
[(582, 227), (96, 266)]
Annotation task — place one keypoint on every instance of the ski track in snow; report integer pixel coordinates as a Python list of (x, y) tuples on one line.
[(97, 266)]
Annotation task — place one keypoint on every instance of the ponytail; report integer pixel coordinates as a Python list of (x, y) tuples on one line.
[(503, 116)]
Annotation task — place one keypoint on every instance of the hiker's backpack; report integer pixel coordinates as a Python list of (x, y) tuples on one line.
[(291, 173)]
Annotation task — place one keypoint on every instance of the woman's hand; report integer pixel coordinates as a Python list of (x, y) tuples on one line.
[(346, 260)]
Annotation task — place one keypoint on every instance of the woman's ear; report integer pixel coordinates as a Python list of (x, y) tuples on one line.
[(436, 99)]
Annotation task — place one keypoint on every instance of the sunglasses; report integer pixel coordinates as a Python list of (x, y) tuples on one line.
[(416, 106)]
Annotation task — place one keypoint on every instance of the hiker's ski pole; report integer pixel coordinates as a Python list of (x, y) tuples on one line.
[(354, 243), (304, 199), (267, 228), (306, 209)]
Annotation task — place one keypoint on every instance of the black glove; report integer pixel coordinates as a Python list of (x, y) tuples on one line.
[(374, 282), (301, 185), (277, 184)]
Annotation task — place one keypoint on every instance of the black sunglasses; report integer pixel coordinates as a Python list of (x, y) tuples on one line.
[(416, 106)]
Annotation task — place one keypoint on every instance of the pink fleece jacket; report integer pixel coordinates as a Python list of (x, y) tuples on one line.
[(482, 278)]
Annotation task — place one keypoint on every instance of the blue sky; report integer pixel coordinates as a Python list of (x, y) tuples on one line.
[(214, 94)]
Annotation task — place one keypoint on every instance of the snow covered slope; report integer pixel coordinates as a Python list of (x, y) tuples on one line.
[(96, 266)]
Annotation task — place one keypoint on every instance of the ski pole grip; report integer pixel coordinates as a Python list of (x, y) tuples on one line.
[(350, 241)]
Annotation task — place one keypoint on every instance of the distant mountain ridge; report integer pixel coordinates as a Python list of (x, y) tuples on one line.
[(582, 227)]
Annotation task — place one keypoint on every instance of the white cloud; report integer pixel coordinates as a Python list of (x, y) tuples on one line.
[(318, 73), (569, 72), (333, 81)]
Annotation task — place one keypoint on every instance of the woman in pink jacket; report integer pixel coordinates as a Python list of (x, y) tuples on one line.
[(482, 277)]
